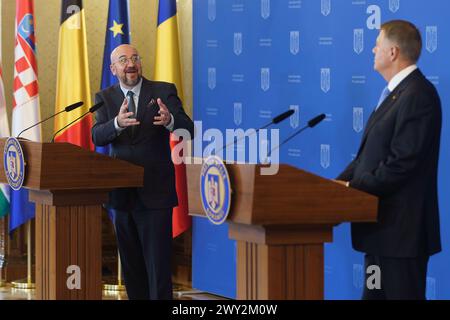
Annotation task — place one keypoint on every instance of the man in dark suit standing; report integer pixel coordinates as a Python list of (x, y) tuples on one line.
[(137, 120), (397, 161)]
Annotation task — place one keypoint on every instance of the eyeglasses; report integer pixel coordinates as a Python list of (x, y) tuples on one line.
[(124, 60)]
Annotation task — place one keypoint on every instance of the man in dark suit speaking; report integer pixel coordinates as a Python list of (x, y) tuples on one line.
[(397, 161), (137, 120)]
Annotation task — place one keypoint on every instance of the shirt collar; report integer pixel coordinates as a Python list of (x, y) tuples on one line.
[(136, 89), (399, 77)]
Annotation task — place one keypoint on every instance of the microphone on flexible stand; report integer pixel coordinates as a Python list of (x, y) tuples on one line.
[(311, 124), (91, 110), (277, 119), (66, 109)]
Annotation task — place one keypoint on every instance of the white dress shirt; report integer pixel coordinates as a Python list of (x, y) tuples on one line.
[(399, 77), (137, 90)]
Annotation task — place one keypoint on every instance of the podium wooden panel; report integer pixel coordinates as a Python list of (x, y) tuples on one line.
[(280, 223), (69, 185)]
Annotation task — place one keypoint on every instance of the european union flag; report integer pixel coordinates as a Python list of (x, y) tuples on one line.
[(117, 33)]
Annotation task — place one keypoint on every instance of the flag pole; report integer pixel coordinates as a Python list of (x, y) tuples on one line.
[(119, 286), (119, 271), (27, 283), (4, 131), (2, 249)]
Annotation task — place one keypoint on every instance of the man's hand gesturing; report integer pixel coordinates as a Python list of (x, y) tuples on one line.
[(123, 118)]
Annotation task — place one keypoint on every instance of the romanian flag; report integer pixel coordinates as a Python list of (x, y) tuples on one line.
[(168, 68), (26, 100), (73, 76)]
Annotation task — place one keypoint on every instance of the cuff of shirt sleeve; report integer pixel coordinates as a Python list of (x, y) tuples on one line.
[(170, 125), (116, 125)]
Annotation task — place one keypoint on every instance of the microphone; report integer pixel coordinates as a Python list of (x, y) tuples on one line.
[(92, 109), (316, 120), (282, 116), (311, 124), (274, 120), (66, 109), (73, 106), (95, 107)]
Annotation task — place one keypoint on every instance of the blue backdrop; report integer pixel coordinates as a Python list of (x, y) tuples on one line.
[(254, 59)]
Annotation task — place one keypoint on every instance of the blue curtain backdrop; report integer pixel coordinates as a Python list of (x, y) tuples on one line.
[(256, 58)]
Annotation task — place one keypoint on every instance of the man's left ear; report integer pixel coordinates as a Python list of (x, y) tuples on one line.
[(112, 67), (395, 52)]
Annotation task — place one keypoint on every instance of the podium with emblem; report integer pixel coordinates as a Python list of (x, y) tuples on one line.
[(280, 223), (69, 185)]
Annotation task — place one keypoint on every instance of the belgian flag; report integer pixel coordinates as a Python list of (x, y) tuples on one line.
[(73, 75)]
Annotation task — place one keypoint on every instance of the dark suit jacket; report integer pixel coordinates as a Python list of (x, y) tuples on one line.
[(397, 161), (149, 147)]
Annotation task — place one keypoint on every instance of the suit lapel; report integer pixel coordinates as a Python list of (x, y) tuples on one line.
[(145, 97), (118, 98), (387, 104)]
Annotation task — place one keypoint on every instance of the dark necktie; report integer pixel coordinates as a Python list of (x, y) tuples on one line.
[(131, 108)]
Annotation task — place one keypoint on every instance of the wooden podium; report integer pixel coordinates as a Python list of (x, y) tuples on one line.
[(281, 223), (69, 185)]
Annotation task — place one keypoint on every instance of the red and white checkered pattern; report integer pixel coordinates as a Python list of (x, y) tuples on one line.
[(26, 98), (25, 79)]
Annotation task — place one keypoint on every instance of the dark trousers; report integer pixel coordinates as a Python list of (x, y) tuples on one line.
[(401, 278), (144, 238)]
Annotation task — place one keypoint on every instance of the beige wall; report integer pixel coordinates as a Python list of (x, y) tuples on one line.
[(143, 14)]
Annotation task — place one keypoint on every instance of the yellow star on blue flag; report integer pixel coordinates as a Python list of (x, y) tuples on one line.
[(116, 28), (117, 33), (120, 34)]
